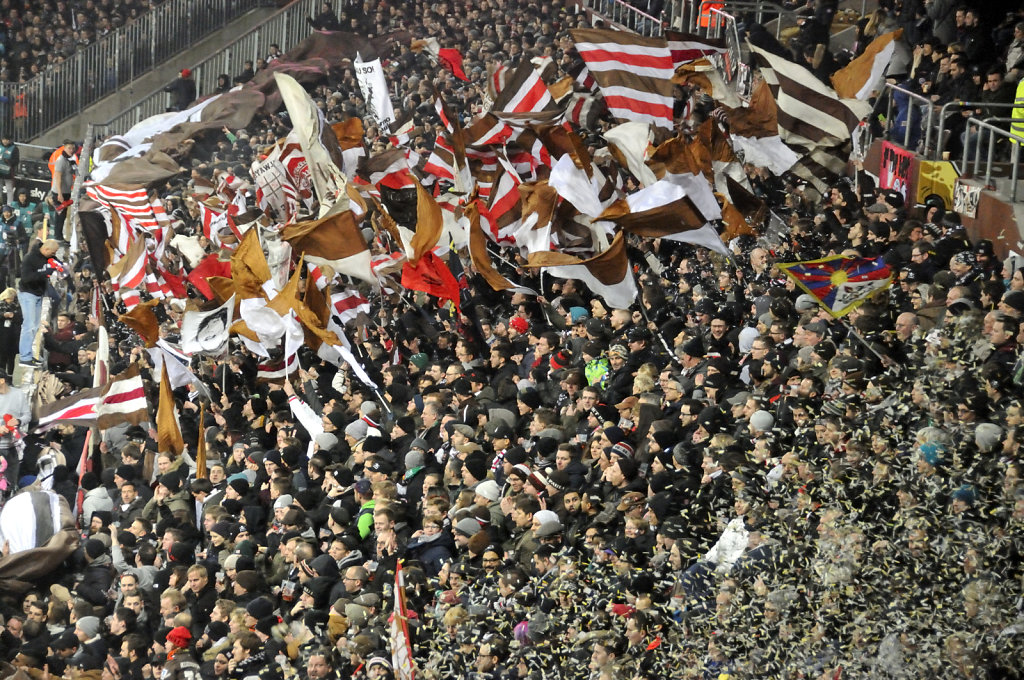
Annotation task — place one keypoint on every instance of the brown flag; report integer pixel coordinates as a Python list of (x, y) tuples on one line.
[(333, 237), (201, 471), (681, 154), (168, 433), (672, 218), (759, 118), (142, 320), (478, 251), (429, 224), (249, 268)]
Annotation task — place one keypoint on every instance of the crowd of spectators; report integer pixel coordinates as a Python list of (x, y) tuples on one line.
[(36, 35), (720, 481)]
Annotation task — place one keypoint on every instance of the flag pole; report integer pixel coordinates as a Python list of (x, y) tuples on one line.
[(884, 358)]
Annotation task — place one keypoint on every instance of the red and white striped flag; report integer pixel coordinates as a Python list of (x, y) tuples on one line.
[(124, 400), (213, 221), (441, 163), (137, 210), (524, 92), (130, 297), (128, 271), (633, 72), (401, 644), (582, 77), (402, 129), (347, 305), (487, 129), (496, 77), (686, 47), (78, 409), (276, 371), (501, 216), (584, 110), (389, 168), (319, 278)]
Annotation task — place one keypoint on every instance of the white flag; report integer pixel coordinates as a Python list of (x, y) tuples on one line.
[(375, 91), (207, 332)]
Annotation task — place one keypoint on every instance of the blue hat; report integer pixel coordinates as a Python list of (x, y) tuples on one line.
[(932, 452), (578, 314), (966, 493)]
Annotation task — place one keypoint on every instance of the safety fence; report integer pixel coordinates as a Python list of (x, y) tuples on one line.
[(982, 145), (285, 28), (987, 136), (112, 62)]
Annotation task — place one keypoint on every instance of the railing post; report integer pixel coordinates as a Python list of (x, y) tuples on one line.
[(988, 163), (1015, 161), (910, 120), (928, 126)]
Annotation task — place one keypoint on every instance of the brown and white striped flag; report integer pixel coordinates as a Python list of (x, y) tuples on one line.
[(633, 72), (810, 114)]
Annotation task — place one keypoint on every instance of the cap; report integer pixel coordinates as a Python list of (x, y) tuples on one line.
[(488, 489), (186, 73), (738, 399), (693, 347), (496, 429), (817, 327), (630, 501)]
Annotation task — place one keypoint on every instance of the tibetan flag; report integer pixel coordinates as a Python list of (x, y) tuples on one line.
[(840, 283)]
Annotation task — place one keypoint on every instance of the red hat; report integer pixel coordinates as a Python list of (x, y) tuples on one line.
[(186, 73), (179, 637), (518, 323)]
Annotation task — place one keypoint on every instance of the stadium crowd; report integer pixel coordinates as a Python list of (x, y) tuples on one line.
[(34, 36), (722, 480)]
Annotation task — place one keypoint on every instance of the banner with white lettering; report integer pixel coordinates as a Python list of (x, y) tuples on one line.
[(375, 91), (894, 171)]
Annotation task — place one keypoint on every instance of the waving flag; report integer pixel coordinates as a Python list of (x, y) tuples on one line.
[(633, 72), (401, 646), (810, 114), (686, 47), (840, 283), (78, 409), (864, 74)]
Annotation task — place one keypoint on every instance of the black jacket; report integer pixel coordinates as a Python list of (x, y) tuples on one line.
[(33, 271)]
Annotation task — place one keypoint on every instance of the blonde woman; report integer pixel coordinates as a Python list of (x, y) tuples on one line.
[(10, 329)]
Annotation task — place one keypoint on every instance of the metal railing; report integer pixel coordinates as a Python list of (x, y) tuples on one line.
[(944, 113), (1015, 142), (285, 28), (627, 16), (733, 62), (699, 16), (113, 61), (890, 92), (929, 113)]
